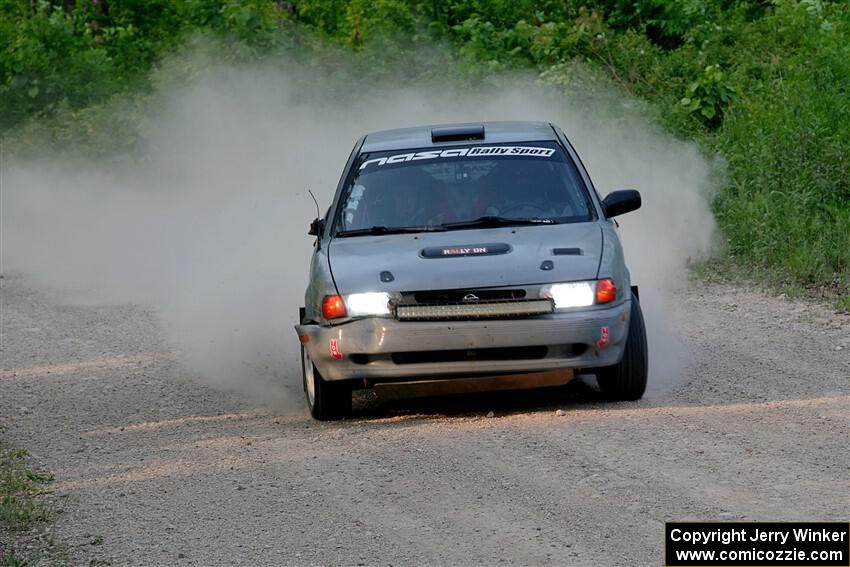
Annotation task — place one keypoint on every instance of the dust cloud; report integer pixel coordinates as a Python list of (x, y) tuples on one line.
[(208, 225)]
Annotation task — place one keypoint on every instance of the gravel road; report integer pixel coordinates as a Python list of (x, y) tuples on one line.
[(153, 468)]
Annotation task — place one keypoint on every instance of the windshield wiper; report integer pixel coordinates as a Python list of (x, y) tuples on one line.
[(496, 221), (389, 230)]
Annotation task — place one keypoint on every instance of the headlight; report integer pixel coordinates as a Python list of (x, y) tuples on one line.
[(572, 294), (374, 304)]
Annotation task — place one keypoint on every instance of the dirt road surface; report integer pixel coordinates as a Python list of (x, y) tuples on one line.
[(154, 469)]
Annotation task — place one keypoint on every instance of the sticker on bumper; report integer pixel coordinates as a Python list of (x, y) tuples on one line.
[(335, 352), (603, 338)]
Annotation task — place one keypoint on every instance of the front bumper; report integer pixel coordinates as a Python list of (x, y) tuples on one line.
[(379, 349)]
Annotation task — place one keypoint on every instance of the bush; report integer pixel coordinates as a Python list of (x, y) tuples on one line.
[(708, 96)]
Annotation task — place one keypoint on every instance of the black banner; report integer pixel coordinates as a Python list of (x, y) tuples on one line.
[(762, 544), (462, 250)]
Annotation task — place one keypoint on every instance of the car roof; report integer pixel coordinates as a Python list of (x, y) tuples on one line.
[(494, 133)]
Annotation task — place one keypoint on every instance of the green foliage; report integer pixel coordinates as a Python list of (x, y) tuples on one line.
[(326, 16), (666, 22), (51, 57), (708, 96), (81, 53), (355, 23), (787, 140)]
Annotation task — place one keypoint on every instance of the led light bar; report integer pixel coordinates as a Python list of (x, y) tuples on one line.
[(474, 310)]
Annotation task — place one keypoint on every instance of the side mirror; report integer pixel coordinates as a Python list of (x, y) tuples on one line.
[(316, 227), (621, 202)]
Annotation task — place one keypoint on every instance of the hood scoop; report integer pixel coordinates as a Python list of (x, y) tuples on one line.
[(462, 250)]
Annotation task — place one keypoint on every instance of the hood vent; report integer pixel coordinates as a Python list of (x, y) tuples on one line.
[(566, 251)]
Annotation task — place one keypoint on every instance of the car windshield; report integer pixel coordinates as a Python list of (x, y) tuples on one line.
[(462, 187)]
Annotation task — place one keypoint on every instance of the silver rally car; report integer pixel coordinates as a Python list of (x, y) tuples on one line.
[(468, 250)]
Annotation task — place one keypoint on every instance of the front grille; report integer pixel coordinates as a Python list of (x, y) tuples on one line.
[(474, 310), (458, 295), (509, 353)]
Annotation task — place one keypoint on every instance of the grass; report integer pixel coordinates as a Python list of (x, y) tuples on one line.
[(22, 509), (26, 510), (11, 560), (20, 489)]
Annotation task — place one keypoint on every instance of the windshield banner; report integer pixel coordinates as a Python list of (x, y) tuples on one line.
[(475, 151)]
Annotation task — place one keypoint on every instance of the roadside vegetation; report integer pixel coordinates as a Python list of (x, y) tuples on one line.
[(763, 83), (22, 508)]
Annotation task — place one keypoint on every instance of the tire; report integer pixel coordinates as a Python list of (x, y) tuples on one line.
[(626, 380), (326, 400)]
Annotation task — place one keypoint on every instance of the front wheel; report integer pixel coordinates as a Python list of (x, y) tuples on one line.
[(627, 379), (326, 400)]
